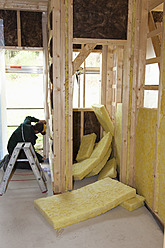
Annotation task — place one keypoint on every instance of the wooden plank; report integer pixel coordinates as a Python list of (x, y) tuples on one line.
[(68, 92), (24, 5), (45, 81), (142, 54), (133, 95), (18, 28), (104, 75), (84, 81), (109, 79), (151, 87), (154, 32), (56, 8), (99, 41), (119, 74), (127, 60), (153, 4), (153, 61), (63, 100), (85, 51)]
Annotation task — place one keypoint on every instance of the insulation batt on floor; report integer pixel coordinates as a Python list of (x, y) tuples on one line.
[(84, 203)]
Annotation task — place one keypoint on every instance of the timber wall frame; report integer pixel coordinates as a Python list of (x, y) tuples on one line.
[(132, 70)]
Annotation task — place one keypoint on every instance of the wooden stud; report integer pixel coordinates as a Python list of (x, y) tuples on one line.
[(109, 79), (125, 109), (64, 97), (18, 28), (104, 74), (56, 8), (45, 79), (142, 53)]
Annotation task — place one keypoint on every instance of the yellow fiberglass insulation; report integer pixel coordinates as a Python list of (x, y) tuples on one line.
[(83, 168), (109, 170), (84, 203), (103, 118), (98, 168), (86, 146), (145, 139), (133, 203)]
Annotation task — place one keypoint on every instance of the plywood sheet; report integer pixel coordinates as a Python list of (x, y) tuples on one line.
[(84, 203)]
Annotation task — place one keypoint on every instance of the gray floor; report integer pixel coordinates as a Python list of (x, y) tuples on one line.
[(22, 226)]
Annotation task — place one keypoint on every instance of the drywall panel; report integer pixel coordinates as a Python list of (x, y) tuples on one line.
[(145, 138)]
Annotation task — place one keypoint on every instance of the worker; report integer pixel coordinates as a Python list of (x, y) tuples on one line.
[(26, 132)]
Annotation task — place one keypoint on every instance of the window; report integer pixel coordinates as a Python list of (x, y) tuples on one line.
[(151, 78), (87, 83), (24, 88)]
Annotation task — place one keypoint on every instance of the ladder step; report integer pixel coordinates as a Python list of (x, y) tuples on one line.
[(33, 161)]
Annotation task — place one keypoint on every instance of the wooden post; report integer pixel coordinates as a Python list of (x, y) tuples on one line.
[(45, 79), (159, 155), (18, 28), (104, 74), (125, 109), (57, 107), (62, 94), (109, 79)]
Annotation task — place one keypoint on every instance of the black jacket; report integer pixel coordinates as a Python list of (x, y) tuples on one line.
[(24, 133)]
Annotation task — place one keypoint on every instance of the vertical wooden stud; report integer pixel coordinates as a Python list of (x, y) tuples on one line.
[(104, 74), (18, 28), (125, 109), (109, 79)]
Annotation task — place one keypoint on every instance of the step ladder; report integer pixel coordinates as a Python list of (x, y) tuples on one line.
[(33, 161)]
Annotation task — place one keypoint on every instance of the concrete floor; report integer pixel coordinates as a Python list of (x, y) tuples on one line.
[(22, 226)]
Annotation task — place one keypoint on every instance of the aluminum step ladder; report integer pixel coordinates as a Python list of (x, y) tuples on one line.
[(33, 161)]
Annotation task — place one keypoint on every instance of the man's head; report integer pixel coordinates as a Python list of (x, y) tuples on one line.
[(40, 127)]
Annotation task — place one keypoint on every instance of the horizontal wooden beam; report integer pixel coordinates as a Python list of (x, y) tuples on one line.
[(82, 109), (99, 41), (24, 5), (151, 87)]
